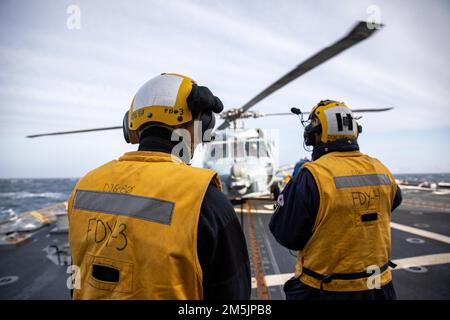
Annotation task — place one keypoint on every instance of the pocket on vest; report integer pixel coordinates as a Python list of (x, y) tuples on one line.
[(110, 274)]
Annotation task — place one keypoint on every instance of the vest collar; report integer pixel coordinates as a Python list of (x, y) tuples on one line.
[(150, 156), (340, 145)]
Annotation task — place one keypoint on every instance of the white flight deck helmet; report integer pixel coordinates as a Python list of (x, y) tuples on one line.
[(170, 99), (333, 120)]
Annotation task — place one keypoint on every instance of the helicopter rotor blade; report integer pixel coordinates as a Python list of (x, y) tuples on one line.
[(360, 32), (70, 132), (120, 127), (372, 110), (305, 113), (224, 125), (281, 114)]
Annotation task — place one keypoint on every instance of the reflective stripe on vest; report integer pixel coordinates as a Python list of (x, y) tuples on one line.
[(361, 180), (351, 233), (133, 228), (144, 208)]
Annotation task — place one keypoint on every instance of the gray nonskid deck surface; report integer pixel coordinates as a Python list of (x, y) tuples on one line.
[(39, 277)]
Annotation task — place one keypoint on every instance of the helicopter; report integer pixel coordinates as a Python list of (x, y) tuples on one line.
[(244, 158)]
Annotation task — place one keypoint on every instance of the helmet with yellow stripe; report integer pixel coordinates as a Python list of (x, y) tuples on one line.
[(331, 120), (170, 100)]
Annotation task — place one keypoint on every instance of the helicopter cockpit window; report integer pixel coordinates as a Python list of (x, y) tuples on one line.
[(238, 149), (218, 150), (251, 148), (255, 148)]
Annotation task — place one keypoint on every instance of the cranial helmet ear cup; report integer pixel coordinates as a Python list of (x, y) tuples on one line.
[(129, 136), (308, 135), (126, 135)]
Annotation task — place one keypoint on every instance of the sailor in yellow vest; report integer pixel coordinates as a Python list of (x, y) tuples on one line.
[(336, 212), (148, 225)]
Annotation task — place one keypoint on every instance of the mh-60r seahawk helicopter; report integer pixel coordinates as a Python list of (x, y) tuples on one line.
[(244, 158)]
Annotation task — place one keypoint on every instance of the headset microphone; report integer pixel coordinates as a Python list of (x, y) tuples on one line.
[(296, 111)]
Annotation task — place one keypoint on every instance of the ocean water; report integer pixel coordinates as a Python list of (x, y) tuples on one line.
[(22, 195), (425, 177)]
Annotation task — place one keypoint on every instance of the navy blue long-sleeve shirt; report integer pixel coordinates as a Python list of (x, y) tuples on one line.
[(292, 223)]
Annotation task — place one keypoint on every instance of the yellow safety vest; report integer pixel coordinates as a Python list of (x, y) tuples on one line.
[(352, 229), (133, 228)]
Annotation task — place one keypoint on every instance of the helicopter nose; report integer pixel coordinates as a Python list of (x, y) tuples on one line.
[(238, 171), (238, 179)]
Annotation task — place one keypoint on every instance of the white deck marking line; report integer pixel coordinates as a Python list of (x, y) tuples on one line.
[(398, 226), (238, 210), (426, 204), (419, 232), (420, 261), (278, 279)]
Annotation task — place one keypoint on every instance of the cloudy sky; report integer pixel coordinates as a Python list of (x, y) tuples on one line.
[(54, 77)]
